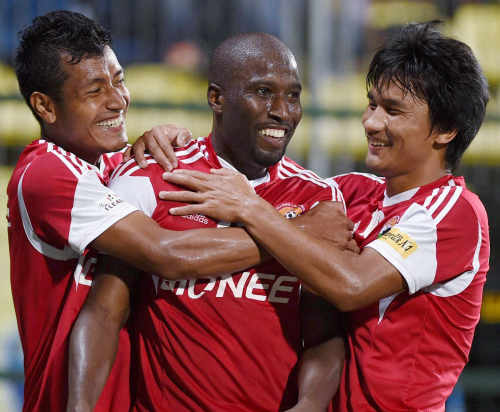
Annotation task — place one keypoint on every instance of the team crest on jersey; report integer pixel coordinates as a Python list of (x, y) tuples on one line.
[(290, 211), (110, 201), (401, 242), (390, 223)]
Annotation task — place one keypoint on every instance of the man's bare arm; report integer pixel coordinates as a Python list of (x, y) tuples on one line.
[(141, 242), (159, 141), (348, 280), (321, 363), (95, 335)]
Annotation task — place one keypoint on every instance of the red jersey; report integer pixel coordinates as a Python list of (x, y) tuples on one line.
[(407, 350), (228, 343), (57, 205)]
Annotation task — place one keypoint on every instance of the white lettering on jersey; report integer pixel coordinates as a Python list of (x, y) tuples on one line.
[(178, 285), (237, 290), (192, 282), (280, 287), (253, 284)]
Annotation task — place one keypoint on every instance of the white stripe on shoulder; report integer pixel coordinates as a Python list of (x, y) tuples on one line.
[(72, 167), (42, 247), (193, 158), (456, 194), (122, 168), (285, 174), (76, 163), (185, 152), (303, 174), (337, 195), (429, 198), (299, 169), (444, 192), (137, 167), (370, 176)]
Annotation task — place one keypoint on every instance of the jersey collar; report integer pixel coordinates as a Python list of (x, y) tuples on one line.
[(446, 180), (225, 164)]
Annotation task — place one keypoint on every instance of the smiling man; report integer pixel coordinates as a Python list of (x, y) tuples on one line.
[(413, 296), (59, 207), (228, 343)]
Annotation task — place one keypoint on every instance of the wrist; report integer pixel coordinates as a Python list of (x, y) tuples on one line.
[(254, 209)]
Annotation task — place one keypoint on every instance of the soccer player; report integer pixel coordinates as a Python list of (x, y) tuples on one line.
[(412, 297), (227, 343), (59, 206)]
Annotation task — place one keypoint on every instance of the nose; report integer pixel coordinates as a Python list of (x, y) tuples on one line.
[(374, 120), (278, 108), (118, 98)]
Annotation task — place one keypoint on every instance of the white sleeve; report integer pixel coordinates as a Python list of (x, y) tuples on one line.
[(95, 209), (410, 246), (137, 190)]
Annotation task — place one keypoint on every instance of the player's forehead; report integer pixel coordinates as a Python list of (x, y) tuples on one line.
[(91, 68), (267, 67)]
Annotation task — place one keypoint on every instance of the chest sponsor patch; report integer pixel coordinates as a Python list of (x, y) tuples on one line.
[(400, 242)]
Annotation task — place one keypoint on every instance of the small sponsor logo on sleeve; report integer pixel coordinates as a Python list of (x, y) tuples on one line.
[(400, 242), (290, 211), (109, 201)]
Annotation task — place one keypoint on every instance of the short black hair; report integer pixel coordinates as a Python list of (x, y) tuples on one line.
[(38, 57), (441, 71)]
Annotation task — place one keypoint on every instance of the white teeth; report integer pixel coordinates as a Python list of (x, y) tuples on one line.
[(112, 122), (379, 144), (272, 132)]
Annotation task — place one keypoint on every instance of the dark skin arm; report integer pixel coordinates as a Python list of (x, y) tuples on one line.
[(107, 307), (142, 243), (321, 363), (346, 279), (94, 338), (139, 241)]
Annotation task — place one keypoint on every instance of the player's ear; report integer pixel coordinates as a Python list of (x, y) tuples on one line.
[(43, 106), (445, 138), (215, 97)]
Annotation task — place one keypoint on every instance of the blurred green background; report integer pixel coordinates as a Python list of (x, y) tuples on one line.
[(164, 46)]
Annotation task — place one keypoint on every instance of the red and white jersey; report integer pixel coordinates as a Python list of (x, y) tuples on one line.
[(407, 350), (224, 344), (57, 205)]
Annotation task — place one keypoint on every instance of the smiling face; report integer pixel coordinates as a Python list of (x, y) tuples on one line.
[(401, 145), (260, 111), (90, 118)]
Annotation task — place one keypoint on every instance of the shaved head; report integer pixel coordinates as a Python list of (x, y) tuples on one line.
[(254, 92), (234, 53)]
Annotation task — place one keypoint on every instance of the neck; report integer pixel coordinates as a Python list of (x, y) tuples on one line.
[(251, 170), (91, 158)]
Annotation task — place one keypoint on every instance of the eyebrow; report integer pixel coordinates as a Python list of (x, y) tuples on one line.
[(387, 101), (102, 79), (266, 81)]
